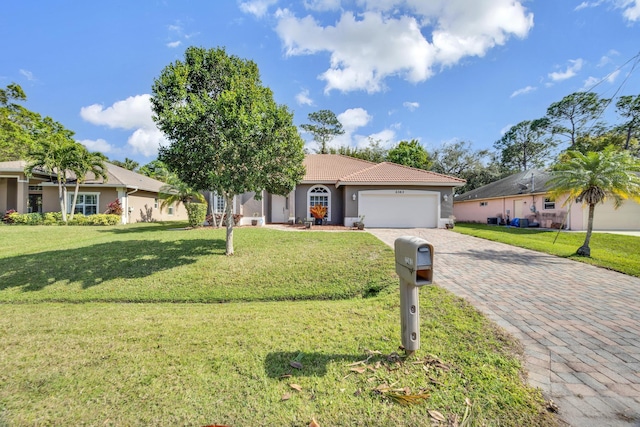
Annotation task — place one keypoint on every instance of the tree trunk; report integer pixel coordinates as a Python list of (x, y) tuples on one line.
[(228, 201), (73, 202), (62, 199), (584, 250)]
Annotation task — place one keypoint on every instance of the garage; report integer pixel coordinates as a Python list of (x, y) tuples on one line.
[(606, 217), (399, 208)]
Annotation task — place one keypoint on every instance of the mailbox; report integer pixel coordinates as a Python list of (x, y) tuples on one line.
[(414, 265), (414, 260)]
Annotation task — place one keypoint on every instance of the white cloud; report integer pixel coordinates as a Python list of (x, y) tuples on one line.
[(391, 38), (302, 98), (257, 8), (631, 9), (411, 106), (572, 69), (592, 82), (97, 145), (132, 113), (322, 5), (522, 91), (588, 4), (28, 74), (174, 44), (354, 118)]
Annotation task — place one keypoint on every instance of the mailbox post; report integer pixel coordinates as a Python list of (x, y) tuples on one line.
[(414, 265)]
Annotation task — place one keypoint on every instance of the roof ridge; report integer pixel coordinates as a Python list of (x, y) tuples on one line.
[(373, 166), (425, 171)]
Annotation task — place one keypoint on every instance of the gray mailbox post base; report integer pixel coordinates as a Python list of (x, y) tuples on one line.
[(409, 317)]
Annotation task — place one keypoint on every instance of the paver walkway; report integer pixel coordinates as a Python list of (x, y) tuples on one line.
[(579, 324)]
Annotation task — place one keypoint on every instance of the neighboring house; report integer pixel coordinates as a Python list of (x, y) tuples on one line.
[(39, 193), (525, 195), (385, 194)]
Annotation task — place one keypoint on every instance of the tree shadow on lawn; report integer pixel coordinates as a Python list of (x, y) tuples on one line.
[(92, 265), (145, 228), (277, 364)]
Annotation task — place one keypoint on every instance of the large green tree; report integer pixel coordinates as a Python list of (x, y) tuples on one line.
[(594, 177), (128, 164), (629, 107), (17, 124), (525, 145), (176, 191), (225, 131), (324, 127), (575, 115), (410, 153)]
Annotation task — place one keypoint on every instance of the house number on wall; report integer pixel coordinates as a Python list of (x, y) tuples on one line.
[(399, 191)]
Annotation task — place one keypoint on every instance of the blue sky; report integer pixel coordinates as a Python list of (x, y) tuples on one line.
[(434, 70)]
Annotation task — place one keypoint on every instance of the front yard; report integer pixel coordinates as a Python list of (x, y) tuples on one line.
[(124, 326)]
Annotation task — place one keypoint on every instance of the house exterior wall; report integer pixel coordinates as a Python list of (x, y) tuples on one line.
[(138, 200), (14, 191), (518, 206), (336, 200)]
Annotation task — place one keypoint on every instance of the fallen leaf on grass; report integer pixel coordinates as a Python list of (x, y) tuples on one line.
[(406, 400), (314, 423), (437, 416), (295, 364), (285, 376), (286, 396), (295, 387), (360, 370)]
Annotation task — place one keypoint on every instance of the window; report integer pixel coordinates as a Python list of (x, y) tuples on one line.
[(319, 195), (484, 203), (155, 203), (86, 204), (170, 210), (549, 203)]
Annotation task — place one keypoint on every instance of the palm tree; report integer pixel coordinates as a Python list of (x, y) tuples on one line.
[(54, 155), (176, 191), (85, 162), (594, 177)]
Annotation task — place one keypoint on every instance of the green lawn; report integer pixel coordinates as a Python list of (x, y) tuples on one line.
[(613, 251), (91, 334)]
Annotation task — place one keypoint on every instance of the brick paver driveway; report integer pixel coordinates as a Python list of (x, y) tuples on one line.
[(580, 325)]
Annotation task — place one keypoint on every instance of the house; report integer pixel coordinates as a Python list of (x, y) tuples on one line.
[(385, 194), (525, 195), (137, 193)]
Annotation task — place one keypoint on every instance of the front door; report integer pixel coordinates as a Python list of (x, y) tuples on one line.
[(35, 203), (279, 209)]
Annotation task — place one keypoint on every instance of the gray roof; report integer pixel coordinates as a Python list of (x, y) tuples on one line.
[(533, 181)]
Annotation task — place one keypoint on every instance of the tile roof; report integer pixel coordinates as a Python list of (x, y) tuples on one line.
[(340, 170), (519, 183)]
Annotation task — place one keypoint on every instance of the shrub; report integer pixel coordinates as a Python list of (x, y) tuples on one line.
[(95, 219), (7, 216), (27, 219), (114, 208), (197, 212), (52, 218), (221, 219), (146, 215)]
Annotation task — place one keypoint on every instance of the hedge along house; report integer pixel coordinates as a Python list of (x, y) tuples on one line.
[(526, 195), (138, 194), (385, 194)]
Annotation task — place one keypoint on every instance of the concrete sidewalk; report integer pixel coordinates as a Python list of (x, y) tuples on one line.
[(579, 324)]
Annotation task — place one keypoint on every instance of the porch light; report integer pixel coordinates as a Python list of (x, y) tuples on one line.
[(445, 198), (353, 197)]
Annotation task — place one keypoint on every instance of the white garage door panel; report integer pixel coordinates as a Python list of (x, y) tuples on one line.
[(411, 209), (605, 217)]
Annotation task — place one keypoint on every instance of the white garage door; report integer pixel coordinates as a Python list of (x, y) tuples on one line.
[(605, 217), (399, 208)]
